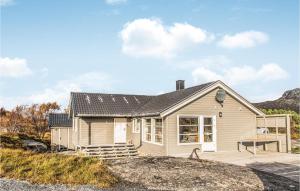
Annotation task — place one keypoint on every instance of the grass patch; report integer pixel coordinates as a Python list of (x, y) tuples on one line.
[(52, 168)]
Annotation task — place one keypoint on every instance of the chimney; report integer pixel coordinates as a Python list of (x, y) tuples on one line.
[(179, 85)]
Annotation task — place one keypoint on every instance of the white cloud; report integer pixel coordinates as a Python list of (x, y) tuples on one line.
[(14, 67), (245, 39), (240, 74), (150, 38), (115, 2), (60, 92), (6, 2)]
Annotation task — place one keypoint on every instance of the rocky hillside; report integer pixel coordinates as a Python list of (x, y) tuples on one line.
[(290, 100)]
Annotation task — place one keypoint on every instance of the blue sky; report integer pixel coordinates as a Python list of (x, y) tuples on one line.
[(52, 47)]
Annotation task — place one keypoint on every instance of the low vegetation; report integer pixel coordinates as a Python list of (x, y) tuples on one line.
[(52, 168)]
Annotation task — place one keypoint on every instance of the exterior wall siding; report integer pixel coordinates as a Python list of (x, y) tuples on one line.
[(237, 121), (62, 136), (102, 131), (149, 148), (54, 136)]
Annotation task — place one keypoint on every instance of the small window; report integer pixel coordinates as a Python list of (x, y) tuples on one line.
[(158, 131), (136, 125), (281, 130), (188, 129), (148, 129), (272, 130)]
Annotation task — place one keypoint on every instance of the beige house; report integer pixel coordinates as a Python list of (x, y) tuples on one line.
[(211, 117)]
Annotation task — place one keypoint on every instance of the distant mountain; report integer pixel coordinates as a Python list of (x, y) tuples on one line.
[(290, 100)]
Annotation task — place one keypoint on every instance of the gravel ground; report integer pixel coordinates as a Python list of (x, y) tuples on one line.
[(17, 185), (168, 173)]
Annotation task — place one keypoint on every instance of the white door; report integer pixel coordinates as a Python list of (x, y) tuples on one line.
[(120, 133), (208, 133)]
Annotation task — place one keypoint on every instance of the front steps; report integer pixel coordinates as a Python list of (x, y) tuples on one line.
[(109, 151)]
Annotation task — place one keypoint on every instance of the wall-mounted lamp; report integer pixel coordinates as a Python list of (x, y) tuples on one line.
[(220, 114)]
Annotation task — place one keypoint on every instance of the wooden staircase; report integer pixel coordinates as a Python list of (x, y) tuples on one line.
[(111, 151)]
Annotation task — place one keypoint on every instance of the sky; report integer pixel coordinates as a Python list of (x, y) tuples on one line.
[(52, 47)]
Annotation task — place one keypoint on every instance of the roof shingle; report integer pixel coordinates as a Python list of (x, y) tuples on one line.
[(59, 120), (98, 104)]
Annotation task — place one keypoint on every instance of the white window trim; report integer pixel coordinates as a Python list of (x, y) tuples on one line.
[(134, 125), (152, 131), (144, 132), (162, 131), (199, 126), (214, 126)]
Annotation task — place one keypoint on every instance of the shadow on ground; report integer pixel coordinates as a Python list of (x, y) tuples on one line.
[(277, 176)]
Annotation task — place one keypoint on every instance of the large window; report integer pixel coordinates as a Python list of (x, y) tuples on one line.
[(188, 129), (148, 130), (158, 131)]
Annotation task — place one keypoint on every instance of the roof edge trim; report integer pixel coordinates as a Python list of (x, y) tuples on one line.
[(207, 90)]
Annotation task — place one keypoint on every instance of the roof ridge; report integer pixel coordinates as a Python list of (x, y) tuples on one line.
[(112, 94)]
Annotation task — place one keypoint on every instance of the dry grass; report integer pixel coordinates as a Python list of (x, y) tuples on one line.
[(54, 168)]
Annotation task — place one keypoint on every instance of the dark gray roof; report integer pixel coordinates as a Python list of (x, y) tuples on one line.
[(163, 102), (97, 104), (59, 120)]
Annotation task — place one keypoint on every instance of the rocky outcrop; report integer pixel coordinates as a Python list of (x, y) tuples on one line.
[(290, 100)]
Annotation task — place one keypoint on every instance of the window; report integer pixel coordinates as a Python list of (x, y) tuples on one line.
[(158, 131), (281, 130), (148, 130), (136, 125), (188, 130), (208, 129), (272, 130)]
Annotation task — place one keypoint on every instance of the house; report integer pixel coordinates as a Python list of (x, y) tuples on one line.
[(210, 116), (61, 130)]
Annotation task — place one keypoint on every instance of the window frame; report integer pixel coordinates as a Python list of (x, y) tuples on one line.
[(144, 132), (178, 130), (152, 141), (135, 124), (154, 131)]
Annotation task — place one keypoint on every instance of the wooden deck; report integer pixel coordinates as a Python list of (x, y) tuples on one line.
[(109, 151)]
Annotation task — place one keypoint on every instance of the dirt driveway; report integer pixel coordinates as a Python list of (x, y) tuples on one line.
[(283, 164), (168, 173)]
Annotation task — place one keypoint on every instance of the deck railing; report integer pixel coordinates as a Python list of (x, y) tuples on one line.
[(109, 151)]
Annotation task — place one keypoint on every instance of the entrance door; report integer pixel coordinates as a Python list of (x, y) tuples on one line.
[(209, 133), (120, 132)]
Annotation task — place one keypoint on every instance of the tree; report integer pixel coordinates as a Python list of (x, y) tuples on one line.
[(31, 120), (37, 116), (14, 120)]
